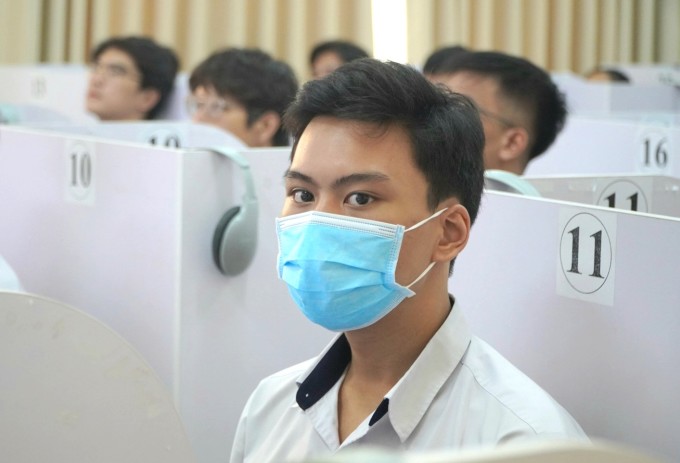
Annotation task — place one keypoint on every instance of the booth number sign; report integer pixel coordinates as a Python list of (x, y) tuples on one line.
[(586, 256), (80, 171)]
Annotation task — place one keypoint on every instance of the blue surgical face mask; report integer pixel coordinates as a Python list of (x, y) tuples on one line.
[(340, 270)]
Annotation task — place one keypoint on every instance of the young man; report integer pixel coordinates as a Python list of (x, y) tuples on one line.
[(131, 78), (521, 108), (385, 180), (326, 57), (244, 92)]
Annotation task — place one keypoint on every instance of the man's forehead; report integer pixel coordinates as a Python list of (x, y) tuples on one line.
[(116, 54), (468, 80)]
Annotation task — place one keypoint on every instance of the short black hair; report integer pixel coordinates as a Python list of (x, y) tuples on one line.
[(253, 78), (524, 84), (614, 75), (347, 51), (157, 64), (442, 55), (444, 127)]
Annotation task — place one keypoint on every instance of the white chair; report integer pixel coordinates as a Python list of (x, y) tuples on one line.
[(71, 390)]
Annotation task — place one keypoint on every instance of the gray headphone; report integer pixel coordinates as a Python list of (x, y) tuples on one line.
[(235, 237)]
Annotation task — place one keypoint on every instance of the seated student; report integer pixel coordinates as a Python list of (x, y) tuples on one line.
[(385, 180), (521, 108), (244, 92), (326, 57), (131, 78), (440, 56), (603, 74)]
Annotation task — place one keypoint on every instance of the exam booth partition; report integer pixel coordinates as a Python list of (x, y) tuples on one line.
[(613, 144), (62, 88), (584, 300), (654, 194), (582, 95), (168, 134), (124, 231)]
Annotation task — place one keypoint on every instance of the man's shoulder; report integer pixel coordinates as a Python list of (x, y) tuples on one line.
[(516, 394)]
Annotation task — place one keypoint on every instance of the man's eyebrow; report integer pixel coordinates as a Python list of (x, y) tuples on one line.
[(359, 177), (295, 175)]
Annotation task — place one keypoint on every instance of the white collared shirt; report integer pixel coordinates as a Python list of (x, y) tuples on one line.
[(459, 393)]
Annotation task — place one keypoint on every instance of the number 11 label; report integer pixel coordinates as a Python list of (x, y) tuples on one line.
[(586, 256)]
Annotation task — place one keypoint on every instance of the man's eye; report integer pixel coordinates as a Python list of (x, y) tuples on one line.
[(302, 196), (359, 199), (117, 70)]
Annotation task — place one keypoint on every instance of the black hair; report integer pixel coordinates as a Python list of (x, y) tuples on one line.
[(440, 56), (524, 84), (157, 64), (444, 127), (614, 74), (253, 78), (347, 51)]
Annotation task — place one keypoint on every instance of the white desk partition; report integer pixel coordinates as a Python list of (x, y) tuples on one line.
[(655, 194), (23, 114), (125, 231), (585, 300), (63, 88), (60, 88), (586, 96), (595, 145), (666, 74), (158, 133)]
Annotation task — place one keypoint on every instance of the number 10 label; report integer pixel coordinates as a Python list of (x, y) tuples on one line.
[(586, 256), (80, 172)]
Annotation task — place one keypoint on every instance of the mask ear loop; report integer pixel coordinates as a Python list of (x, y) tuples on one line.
[(429, 267), (436, 214)]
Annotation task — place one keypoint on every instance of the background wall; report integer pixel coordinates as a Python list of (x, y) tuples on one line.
[(560, 35)]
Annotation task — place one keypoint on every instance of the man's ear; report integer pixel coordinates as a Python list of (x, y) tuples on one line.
[(456, 225), (265, 127), (148, 98), (514, 144)]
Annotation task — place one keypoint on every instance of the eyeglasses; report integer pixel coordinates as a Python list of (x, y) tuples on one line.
[(114, 71), (212, 108), (506, 122)]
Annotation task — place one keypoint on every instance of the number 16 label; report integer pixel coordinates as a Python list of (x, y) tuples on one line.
[(586, 256)]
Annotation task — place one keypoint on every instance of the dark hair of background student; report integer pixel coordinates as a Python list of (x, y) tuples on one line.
[(525, 85), (347, 51), (252, 77), (157, 64), (440, 56)]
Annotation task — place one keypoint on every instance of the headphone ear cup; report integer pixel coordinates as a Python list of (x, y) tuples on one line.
[(219, 236)]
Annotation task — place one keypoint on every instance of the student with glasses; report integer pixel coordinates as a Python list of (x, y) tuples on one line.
[(245, 92), (131, 78), (521, 108)]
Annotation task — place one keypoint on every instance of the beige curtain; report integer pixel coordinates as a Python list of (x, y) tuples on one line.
[(560, 35), (557, 34), (60, 31)]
